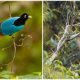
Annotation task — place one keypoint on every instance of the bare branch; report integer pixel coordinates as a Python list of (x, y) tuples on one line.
[(73, 36)]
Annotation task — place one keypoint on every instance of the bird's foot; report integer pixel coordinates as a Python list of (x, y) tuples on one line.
[(13, 36)]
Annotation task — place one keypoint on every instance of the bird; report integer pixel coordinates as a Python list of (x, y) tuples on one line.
[(13, 24)]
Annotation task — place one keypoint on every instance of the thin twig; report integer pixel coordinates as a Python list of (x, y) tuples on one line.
[(10, 11), (14, 53), (3, 49)]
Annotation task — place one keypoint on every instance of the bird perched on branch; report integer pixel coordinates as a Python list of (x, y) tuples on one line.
[(13, 24)]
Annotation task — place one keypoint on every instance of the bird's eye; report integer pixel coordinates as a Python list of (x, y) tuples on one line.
[(25, 16)]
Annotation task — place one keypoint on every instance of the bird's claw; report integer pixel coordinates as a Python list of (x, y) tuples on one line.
[(13, 36)]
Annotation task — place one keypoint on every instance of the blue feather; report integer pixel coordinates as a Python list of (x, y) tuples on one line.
[(8, 28)]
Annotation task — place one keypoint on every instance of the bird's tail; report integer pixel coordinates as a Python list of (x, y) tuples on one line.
[(0, 26), (0, 31)]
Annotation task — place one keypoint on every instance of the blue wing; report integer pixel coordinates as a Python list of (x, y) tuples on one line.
[(8, 27)]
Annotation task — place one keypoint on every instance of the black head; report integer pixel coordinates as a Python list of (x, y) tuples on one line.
[(21, 21), (24, 16)]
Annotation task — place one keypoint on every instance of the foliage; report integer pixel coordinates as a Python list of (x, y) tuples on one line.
[(58, 71), (69, 55), (9, 75)]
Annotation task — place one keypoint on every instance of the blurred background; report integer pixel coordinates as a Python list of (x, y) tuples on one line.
[(28, 59)]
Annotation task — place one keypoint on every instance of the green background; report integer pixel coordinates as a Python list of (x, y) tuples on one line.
[(28, 60)]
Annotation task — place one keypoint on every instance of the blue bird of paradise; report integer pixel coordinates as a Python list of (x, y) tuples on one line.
[(13, 24)]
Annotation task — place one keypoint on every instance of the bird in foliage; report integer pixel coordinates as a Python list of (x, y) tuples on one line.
[(13, 24)]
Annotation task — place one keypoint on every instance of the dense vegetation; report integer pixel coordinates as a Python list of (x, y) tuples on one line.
[(67, 63)]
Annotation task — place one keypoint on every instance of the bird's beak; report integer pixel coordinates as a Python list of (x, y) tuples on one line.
[(30, 17)]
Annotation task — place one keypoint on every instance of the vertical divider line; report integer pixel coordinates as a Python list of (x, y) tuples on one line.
[(42, 39)]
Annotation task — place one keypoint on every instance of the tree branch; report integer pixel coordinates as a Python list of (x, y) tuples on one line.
[(64, 38)]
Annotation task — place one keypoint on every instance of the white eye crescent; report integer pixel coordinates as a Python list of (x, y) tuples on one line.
[(25, 16)]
